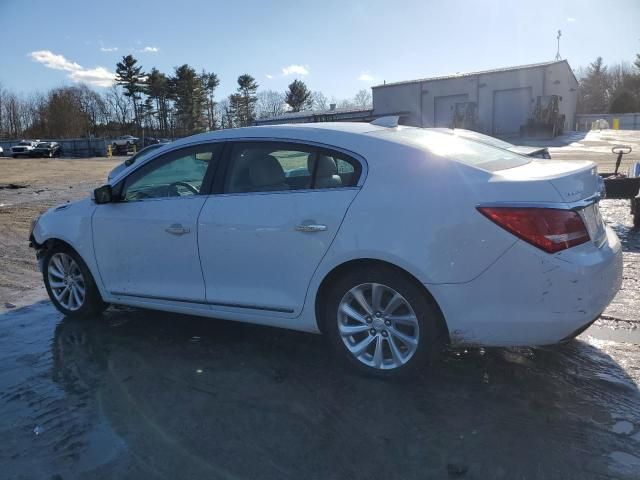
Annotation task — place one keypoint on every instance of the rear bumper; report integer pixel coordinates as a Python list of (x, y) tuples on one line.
[(531, 298)]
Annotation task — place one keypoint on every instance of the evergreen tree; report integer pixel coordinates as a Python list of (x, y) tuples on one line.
[(131, 77), (209, 84), (594, 89), (157, 88), (189, 98), (298, 96), (242, 104)]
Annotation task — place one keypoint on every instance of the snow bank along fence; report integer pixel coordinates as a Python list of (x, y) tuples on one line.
[(625, 121), (75, 147)]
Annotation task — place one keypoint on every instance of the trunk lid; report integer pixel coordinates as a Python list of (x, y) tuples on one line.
[(573, 180)]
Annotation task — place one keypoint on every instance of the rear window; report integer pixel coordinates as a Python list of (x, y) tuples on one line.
[(463, 150)]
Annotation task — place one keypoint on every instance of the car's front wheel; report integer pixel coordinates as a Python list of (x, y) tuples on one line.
[(381, 321), (70, 284)]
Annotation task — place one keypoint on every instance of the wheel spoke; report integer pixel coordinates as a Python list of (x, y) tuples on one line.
[(395, 353), (406, 339), (76, 296), (56, 284), (359, 297), (407, 319), (361, 346), (376, 296), (348, 330), (378, 354), (396, 301), (54, 272), (351, 313), (58, 264)]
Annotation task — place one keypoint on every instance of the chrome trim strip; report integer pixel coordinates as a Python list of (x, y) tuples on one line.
[(204, 302), (579, 205)]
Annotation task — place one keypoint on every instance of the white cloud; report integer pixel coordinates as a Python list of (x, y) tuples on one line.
[(366, 77), (149, 50), (99, 76), (571, 19), (295, 70), (269, 76), (56, 62), (108, 49)]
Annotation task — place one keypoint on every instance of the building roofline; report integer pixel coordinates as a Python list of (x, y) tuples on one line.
[(471, 74)]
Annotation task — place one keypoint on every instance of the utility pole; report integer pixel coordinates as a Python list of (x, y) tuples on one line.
[(558, 57)]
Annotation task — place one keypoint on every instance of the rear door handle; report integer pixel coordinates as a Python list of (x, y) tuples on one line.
[(176, 229), (310, 228)]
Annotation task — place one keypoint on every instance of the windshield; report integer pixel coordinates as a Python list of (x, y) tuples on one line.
[(457, 148), (24, 142), (43, 144)]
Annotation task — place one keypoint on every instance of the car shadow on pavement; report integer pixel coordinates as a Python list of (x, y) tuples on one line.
[(193, 398)]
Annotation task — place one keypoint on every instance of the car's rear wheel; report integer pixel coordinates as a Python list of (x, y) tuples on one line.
[(382, 322), (70, 284)]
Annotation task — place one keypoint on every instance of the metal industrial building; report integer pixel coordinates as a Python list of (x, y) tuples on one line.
[(503, 99)]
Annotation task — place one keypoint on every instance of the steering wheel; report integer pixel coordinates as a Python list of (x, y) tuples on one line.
[(623, 149), (186, 185)]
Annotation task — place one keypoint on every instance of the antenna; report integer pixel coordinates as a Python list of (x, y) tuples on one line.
[(558, 57)]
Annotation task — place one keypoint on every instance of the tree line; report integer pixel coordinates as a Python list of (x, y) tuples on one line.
[(609, 89), (184, 102), (154, 103)]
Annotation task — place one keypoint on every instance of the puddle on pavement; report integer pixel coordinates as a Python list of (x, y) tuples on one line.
[(173, 396)]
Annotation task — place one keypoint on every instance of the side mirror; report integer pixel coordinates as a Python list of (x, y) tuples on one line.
[(103, 194)]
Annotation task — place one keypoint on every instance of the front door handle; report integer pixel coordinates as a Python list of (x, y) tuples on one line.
[(310, 228), (176, 229)]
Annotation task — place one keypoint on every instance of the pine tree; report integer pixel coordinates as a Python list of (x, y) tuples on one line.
[(209, 84), (243, 103), (189, 98), (594, 89), (131, 77), (298, 96)]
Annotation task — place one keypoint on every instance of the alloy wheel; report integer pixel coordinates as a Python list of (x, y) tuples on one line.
[(378, 326), (66, 280)]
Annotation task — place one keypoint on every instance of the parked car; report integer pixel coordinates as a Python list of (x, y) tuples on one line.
[(125, 140), (534, 152), (46, 149), (153, 141), (132, 159), (24, 148), (1, 152), (397, 240)]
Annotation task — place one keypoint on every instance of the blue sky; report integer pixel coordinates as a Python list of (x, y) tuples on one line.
[(335, 46)]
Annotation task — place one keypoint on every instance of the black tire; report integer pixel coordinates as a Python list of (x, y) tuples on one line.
[(92, 304), (431, 336)]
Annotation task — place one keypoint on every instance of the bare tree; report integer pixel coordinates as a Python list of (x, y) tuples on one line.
[(119, 106), (319, 101), (363, 99), (270, 104)]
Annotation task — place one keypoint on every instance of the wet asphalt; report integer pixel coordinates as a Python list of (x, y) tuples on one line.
[(142, 394)]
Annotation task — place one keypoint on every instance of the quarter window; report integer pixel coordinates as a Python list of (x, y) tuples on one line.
[(177, 174)]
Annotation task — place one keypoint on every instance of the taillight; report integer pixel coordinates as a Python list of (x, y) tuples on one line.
[(550, 229)]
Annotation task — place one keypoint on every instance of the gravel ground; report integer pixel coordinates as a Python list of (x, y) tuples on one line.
[(140, 394)]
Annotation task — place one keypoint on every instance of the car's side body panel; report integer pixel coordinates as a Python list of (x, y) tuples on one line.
[(413, 209)]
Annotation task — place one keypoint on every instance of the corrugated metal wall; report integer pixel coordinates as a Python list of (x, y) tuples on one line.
[(628, 121), (76, 147)]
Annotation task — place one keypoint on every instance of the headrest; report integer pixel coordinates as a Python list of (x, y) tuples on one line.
[(266, 171), (326, 165)]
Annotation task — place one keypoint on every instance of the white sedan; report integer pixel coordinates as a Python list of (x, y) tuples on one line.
[(392, 241)]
